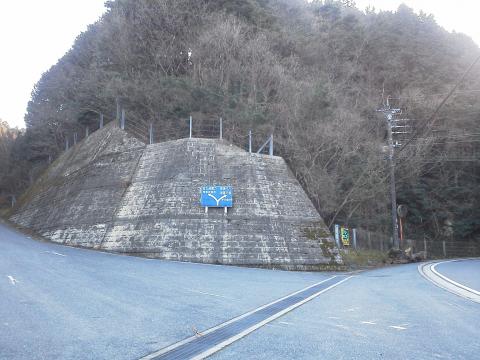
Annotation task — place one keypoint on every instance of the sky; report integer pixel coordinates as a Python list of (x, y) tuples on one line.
[(34, 34)]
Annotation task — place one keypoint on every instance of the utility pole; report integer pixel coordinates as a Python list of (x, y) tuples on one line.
[(389, 117)]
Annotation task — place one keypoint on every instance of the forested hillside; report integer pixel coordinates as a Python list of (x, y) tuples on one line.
[(314, 73)]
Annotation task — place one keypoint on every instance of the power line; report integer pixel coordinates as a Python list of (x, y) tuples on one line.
[(432, 95), (431, 120)]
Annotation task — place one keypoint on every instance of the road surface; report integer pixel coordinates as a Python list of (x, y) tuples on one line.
[(58, 302)]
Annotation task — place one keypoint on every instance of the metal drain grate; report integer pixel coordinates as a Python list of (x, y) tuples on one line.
[(224, 334)]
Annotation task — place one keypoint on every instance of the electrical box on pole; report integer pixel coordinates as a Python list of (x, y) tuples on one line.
[(389, 114)]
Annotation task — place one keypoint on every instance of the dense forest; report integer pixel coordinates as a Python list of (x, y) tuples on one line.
[(313, 73)]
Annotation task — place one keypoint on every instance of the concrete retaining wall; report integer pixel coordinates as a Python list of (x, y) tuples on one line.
[(113, 192)]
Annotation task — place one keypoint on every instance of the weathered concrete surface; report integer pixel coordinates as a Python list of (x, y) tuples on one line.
[(115, 193)]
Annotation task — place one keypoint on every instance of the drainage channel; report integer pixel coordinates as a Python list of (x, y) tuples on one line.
[(214, 339)]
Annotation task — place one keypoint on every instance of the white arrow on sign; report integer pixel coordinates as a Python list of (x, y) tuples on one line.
[(217, 200)]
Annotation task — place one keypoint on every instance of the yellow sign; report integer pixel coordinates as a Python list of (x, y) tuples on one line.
[(345, 236)]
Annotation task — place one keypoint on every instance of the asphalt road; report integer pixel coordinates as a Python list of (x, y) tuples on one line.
[(466, 272), (59, 302)]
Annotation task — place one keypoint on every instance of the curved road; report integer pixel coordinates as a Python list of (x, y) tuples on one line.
[(466, 272), (58, 302)]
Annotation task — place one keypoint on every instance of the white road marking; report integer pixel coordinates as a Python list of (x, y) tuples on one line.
[(12, 279), (209, 294), (452, 281), (429, 272), (352, 309), (54, 253), (342, 326), (250, 329), (334, 317), (397, 327), (284, 323), (266, 321), (368, 322)]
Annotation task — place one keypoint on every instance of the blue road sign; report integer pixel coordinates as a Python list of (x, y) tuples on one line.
[(216, 196)]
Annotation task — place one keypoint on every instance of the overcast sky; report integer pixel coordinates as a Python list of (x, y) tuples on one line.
[(34, 34)]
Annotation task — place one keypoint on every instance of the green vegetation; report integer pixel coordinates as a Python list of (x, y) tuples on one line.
[(316, 233), (355, 259), (314, 72)]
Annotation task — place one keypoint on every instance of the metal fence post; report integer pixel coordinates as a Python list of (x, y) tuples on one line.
[(101, 121), (150, 132), (250, 141), (66, 144), (86, 131), (122, 121), (425, 247), (117, 101), (74, 138), (14, 200), (337, 235), (444, 249), (354, 238), (270, 147), (221, 129), (190, 136)]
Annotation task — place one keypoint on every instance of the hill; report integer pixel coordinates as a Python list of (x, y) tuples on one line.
[(313, 73)]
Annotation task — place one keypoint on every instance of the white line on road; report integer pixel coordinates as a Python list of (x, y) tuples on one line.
[(397, 327), (209, 294), (266, 321), (450, 280), (12, 279), (250, 329), (54, 253), (369, 322), (428, 271)]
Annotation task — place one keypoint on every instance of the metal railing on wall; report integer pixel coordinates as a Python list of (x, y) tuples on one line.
[(151, 132)]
